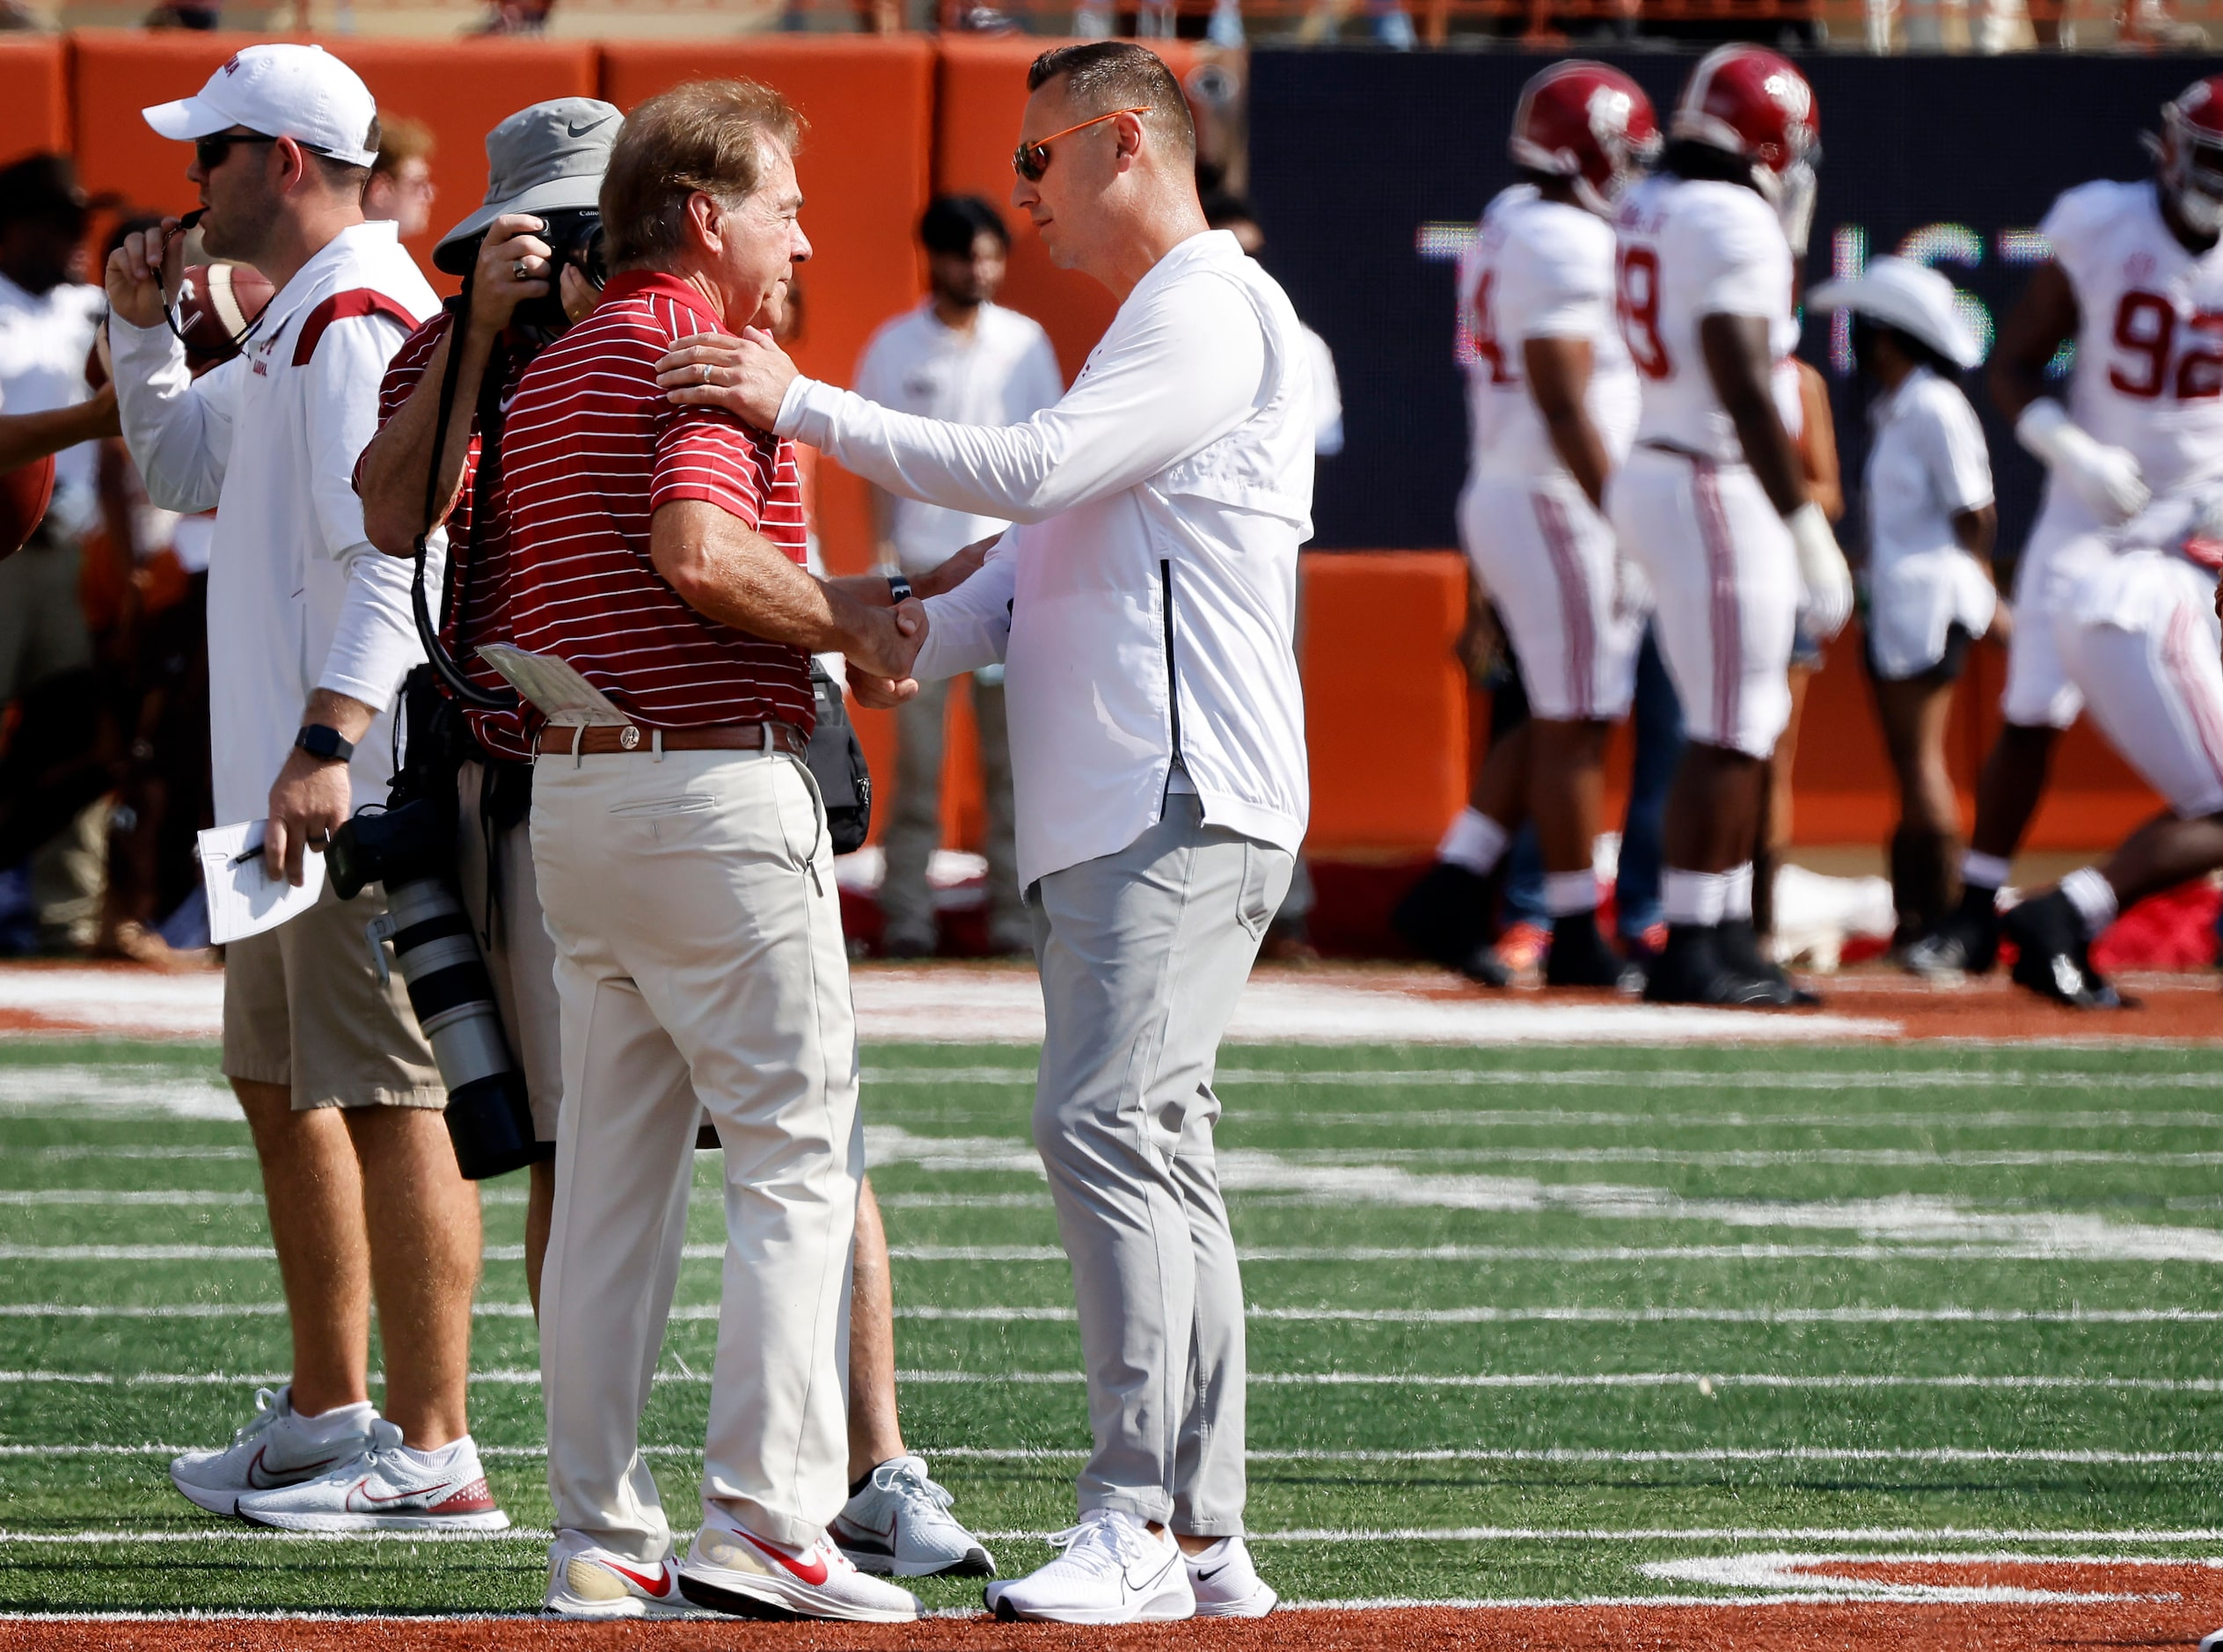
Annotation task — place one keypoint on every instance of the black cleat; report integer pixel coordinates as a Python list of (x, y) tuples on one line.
[(1967, 943), (1446, 915), (2052, 959), (1484, 968), (1692, 970), (1580, 957), (1740, 948)]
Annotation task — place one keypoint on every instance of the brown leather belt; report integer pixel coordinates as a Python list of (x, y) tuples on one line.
[(606, 738)]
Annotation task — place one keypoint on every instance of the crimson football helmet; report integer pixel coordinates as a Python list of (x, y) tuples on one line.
[(2189, 154), (1749, 102), (1587, 122)]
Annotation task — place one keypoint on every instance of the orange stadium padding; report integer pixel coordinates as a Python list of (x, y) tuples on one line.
[(983, 93), (865, 173), (459, 89), (34, 98)]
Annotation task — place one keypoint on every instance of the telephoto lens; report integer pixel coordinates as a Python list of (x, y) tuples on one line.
[(489, 1117)]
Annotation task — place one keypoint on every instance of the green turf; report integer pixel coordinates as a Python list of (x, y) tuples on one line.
[(1743, 1213)]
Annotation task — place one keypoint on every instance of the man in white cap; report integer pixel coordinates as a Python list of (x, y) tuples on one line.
[(311, 635)]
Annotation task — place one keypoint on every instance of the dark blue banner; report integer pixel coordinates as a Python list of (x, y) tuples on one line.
[(1368, 169)]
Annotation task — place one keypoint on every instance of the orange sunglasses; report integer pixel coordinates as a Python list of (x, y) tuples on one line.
[(1030, 161)]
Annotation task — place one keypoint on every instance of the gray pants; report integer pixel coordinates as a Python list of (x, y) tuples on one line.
[(1143, 956), (914, 828)]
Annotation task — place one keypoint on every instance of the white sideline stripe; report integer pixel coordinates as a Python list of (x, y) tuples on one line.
[(1754, 1159), (1560, 1118), (1973, 1252), (521, 1376), (1568, 1455), (1877, 1536), (1742, 1078), (708, 1313)]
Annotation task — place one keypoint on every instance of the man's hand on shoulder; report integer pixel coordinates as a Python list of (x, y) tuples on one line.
[(746, 377)]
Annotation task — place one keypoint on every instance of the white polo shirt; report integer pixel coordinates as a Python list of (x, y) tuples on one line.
[(298, 598), (44, 340), (1145, 606), (1000, 372)]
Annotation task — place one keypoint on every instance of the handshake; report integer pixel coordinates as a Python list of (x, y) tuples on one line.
[(882, 638)]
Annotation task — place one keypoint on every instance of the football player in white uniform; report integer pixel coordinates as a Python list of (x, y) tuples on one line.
[(1713, 503), (1552, 400), (2139, 639), (2136, 280)]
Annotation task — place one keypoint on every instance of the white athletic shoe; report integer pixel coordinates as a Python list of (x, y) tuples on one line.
[(2213, 1642), (386, 1488), (1227, 1584), (1114, 1570), (276, 1449), (899, 1526), (729, 1569), (587, 1581)]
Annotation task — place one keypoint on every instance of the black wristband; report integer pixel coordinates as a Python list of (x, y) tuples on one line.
[(324, 743), (899, 587)]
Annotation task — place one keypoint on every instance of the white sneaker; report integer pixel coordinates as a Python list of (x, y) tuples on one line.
[(2213, 1642), (587, 1581), (899, 1526), (277, 1448), (386, 1488), (1227, 1584), (731, 1569), (1114, 1570)]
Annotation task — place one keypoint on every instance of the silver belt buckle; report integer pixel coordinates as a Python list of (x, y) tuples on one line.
[(628, 738)]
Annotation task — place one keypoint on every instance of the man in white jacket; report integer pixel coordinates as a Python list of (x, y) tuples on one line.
[(309, 635), (1145, 608)]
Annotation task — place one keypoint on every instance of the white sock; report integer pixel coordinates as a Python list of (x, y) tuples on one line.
[(1474, 841), (1736, 894), (1986, 871), (1205, 1557), (338, 1422), (1568, 892), (2094, 898), (1693, 899), (439, 1456)]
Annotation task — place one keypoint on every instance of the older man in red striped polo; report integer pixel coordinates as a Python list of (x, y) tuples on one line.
[(688, 881)]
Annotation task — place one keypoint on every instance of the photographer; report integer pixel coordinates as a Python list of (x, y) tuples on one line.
[(311, 637), (546, 164)]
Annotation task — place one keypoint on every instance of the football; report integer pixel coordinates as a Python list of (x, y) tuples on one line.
[(216, 304), (24, 495)]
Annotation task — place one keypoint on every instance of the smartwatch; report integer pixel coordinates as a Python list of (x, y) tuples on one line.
[(324, 743), (899, 587)]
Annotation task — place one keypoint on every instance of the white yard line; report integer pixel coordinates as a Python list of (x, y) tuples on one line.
[(1743, 1077)]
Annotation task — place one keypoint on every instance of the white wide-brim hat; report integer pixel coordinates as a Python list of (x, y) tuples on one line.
[(1913, 298)]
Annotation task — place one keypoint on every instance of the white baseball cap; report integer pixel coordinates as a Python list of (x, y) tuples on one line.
[(298, 91), (1911, 296)]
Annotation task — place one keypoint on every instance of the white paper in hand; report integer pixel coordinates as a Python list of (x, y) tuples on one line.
[(556, 692), (243, 899)]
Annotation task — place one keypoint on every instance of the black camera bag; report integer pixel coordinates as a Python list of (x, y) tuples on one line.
[(836, 762)]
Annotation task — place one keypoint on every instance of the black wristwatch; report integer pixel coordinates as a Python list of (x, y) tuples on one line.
[(324, 743), (899, 587)]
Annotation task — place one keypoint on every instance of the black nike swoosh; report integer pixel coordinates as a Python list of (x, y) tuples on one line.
[(577, 130), (1206, 1578)]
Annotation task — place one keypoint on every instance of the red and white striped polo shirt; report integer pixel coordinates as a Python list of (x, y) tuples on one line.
[(591, 449)]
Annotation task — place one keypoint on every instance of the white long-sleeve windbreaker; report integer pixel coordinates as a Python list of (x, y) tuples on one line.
[(298, 598), (1146, 603)]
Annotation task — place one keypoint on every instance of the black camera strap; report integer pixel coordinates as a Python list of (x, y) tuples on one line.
[(443, 664)]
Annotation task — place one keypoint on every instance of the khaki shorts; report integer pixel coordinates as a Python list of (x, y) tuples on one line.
[(514, 942), (42, 623), (303, 1007)]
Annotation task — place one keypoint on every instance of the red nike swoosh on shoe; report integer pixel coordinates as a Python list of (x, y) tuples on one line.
[(659, 1588), (356, 1490), (815, 1574)]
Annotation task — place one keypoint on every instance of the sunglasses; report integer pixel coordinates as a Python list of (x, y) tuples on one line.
[(211, 150), (1030, 161)]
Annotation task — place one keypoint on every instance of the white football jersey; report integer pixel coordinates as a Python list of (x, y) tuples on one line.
[(1689, 249), (2149, 347), (1539, 269)]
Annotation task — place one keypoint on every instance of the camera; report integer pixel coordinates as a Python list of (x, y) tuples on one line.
[(410, 846), (574, 238)]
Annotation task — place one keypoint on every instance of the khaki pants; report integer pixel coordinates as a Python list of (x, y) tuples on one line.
[(520, 956), (699, 955)]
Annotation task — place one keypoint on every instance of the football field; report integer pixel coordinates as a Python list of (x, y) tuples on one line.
[(1538, 1324)]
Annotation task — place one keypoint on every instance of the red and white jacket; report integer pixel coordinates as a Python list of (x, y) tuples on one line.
[(298, 598)]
